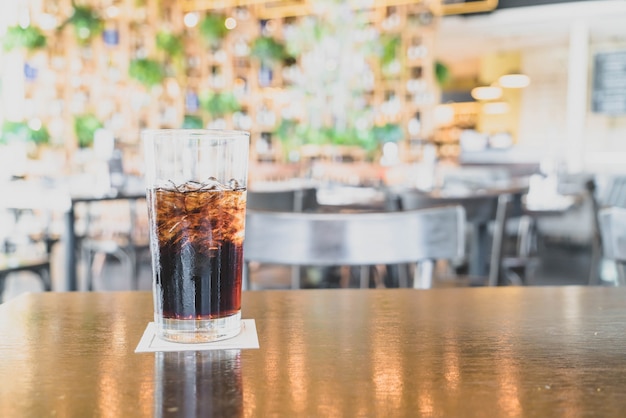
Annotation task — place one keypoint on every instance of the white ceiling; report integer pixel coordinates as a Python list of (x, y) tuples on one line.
[(461, 40)]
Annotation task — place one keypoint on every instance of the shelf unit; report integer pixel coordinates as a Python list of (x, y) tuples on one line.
[(75, 79)]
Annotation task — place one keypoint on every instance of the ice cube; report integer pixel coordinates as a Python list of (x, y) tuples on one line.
[(234, 184), (213, 184)]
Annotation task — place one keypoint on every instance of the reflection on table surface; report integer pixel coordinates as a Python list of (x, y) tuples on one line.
[(534, 351)]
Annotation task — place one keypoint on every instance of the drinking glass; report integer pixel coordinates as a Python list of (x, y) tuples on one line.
[(196, 187)]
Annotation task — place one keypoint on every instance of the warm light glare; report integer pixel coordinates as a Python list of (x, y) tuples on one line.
[(112, 12), (191, 19), (486, 93), (230, 23), (444, 114), (172, 87), (514, 81), (495, 108), (35, 124), (47, 21)]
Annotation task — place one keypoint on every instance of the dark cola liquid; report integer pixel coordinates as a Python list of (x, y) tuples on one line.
[(199, 258)]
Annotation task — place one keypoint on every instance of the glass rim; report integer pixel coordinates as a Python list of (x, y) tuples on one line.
[(228, 133)]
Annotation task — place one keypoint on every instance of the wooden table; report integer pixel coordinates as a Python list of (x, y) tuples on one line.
[(456, 352)]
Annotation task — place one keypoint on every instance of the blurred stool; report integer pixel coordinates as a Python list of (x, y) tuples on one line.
[(12, 264), (112, 230), (612, 222)]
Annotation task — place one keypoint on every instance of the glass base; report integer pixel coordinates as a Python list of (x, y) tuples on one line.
[(198, 330)]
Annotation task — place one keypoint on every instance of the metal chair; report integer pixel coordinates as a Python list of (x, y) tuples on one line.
[(612, 223), (614, 197), (27, 236), (112, 229), (290, 200), (356, 239), (39, 266), (487, 264), (284, 200)]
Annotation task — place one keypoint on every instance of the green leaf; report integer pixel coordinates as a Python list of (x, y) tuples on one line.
[(40, 136), (286, 130), (14, 131), (389, 48), (219, 104), (86, 22), (170, 43), (268, 50), (85, 126), (213, 28), (390, 132), (442, 73), (146, 71), (192, 122), (21, 132), (29, 38)]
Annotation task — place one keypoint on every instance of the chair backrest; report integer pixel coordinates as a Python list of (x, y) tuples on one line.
[(478, 208), (291, 200), (603, 203), (613, 234), (354, 239)]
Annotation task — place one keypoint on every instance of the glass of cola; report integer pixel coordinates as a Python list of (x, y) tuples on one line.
[(196, 186)]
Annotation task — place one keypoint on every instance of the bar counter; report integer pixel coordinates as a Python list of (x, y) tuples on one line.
[(456, 352)]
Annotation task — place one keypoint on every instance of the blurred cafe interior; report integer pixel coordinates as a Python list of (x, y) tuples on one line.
[(514, 110)]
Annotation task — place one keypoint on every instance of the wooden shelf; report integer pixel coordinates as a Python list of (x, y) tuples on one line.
[(94, 78)]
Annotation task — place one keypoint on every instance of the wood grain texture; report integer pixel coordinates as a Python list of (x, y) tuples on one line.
[(472, 352)]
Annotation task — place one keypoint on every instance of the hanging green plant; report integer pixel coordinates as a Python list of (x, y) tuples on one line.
[(292, 134), (362, 138), (442, 73), (286, 130), (213, 28), (219, 104), (170, 43), (40, 136), (146, 71), (86, 23), (173, 47), (389, 132), (85, 126), (30, 38), (388, 52), (192, 122), (22, 132), (269, 51)]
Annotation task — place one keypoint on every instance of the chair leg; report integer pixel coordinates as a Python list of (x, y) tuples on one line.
[(403, 280), (497, 247), (364, 277), (2, 286), (594, 265), (526, 236), (44, 274), (380, 271), (344, 280), (423, 276), (88, 270), (295, 277), (95, 268), (127, 260), (621, 274), (134, 264), (245, 276)]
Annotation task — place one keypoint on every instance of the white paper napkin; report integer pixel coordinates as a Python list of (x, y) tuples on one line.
[(247, 338)]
